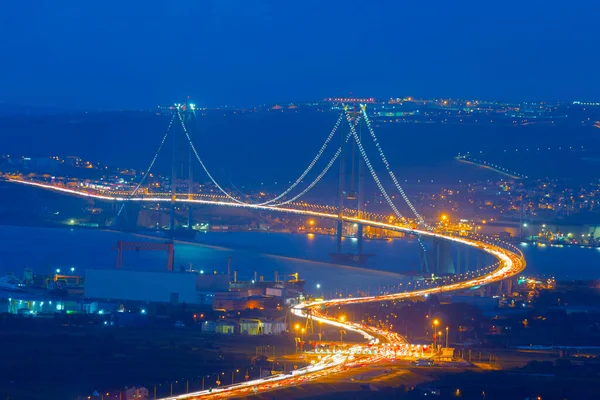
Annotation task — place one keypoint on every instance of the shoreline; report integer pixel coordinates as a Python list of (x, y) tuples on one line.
[(374, 272), (282, 257)]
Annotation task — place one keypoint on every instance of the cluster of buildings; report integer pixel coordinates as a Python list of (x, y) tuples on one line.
[(448, 110), (245, 326), (216, 302), (49, 164), (548, 208)]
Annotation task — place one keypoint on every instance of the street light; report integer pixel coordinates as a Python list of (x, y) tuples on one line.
[(438, 353), (446, 337), (72, 269), (343, 318), (58, 270), (434, 325)]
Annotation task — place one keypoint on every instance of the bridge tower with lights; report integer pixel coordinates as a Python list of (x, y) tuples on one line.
[(187, 118), (351, 189)]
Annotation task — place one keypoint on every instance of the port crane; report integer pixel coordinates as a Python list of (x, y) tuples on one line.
[(294, 276), (122, 245)]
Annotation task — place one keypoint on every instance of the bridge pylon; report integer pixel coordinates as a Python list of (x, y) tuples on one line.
[(186, 115), (350, 190)]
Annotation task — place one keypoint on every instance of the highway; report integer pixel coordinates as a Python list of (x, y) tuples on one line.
[(510, 262)]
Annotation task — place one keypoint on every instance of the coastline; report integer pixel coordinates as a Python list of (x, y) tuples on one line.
[(281, 257), (315, 263)]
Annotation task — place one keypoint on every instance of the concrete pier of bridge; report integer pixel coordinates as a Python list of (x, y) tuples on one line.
[(503, 287), (438, 260), (126, 215)]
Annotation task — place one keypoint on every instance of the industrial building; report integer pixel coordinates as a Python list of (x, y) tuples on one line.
[(153, 286), (258, 326), (24, 303), (245, 326), (239, 301), (226, 327)]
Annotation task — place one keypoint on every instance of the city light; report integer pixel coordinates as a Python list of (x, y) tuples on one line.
[(510, 259)]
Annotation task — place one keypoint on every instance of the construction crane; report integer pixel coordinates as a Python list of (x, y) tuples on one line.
[(294, 275), (145, 246)]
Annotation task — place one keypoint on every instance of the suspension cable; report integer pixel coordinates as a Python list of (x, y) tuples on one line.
[(387, 166), (150, 166), (329, 165), (318, 178), (310, 166), (202, 163), (371, 170), (302, 176)]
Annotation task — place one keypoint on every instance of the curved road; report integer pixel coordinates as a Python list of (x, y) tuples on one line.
[(510, 262)]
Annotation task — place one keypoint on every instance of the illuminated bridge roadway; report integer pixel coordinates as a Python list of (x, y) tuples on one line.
[(509, 262)]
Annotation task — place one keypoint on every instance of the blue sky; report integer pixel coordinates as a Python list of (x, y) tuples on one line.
[(115, 54)]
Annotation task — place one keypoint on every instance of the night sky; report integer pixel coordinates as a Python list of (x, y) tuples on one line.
[(137, 54)]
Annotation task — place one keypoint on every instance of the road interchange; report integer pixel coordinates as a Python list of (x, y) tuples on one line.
[(510, 261)]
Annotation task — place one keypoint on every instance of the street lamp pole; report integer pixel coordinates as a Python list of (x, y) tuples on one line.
[(446, 337), (296, 328), (439, 335), (434, 325)]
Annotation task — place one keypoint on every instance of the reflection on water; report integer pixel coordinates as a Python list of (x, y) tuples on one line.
[(562, 262), (45, 249)]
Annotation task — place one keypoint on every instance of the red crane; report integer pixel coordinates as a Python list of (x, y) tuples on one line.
[(145, 246)]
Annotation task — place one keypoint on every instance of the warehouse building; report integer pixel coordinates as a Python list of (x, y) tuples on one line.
[(153, 286)]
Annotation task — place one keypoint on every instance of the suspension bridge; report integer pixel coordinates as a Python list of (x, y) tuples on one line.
[(350, 149)]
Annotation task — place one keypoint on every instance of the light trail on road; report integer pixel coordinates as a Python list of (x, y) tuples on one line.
[(510, 262)]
